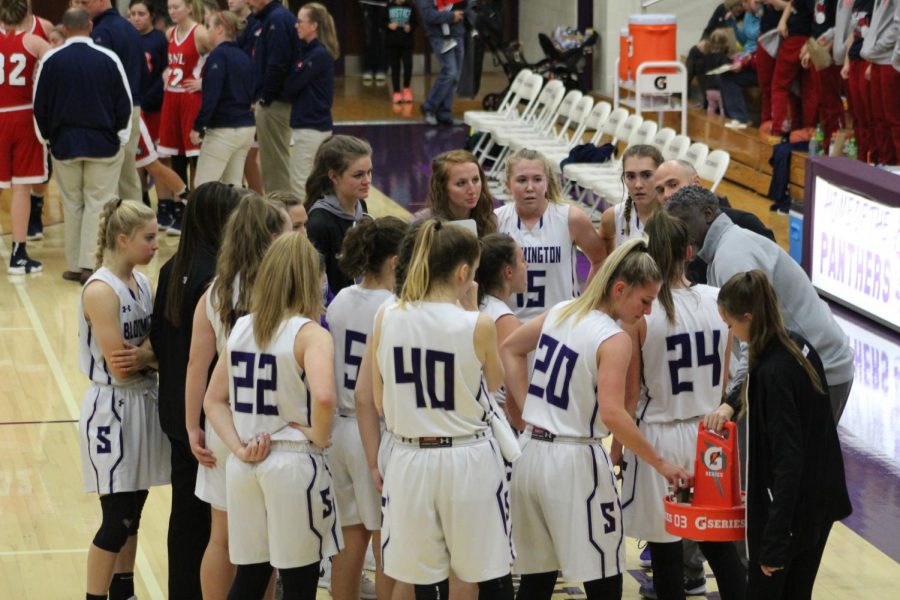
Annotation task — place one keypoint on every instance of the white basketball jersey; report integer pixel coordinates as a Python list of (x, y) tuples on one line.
[(267, 388), (351, 319), (683, 361), (495, 308), (562, 395), (550, 255), (135, 312), (636, 226), (212, 314), (432, 377)]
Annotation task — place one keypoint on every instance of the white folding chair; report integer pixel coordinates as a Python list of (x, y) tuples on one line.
[(714, 167), (677, 148), (595, 122), (662, 138), (696, 155)]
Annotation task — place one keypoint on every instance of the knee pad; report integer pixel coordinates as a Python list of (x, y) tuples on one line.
[(121, 515)]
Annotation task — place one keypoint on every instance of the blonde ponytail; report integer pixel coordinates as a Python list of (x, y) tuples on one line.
[(118, 217)]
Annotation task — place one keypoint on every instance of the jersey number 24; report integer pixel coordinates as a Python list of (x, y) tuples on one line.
[(693, 355)]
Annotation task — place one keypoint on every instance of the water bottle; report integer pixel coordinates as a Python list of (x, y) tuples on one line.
[(813, 146)]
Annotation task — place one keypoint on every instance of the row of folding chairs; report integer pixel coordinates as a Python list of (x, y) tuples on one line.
[(546, 118)]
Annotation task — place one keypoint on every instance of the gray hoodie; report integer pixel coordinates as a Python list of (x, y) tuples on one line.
[(729, 250), (841, 30), (878, 45)]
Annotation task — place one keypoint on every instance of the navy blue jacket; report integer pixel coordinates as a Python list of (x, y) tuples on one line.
[(156, 53), (273, 52), (247, 39), (434, 18), (113, 31), (227, 89), (82, 103), (311, 85)]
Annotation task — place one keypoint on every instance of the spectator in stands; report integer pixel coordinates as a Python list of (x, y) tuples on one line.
[(884, 81), (804, 19), (828, 80), (743, 75), (725, 15), (374, 19), (854, 71), (438, 105), (765, 60), (85, 137)]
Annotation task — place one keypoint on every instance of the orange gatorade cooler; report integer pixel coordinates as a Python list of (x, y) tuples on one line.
[(716, 512), (625, 73), (653, 38)]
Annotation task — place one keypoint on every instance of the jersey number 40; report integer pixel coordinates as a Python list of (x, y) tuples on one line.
[(423, 374)]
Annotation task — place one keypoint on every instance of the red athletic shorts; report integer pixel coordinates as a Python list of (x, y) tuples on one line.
[(152, 119), (23, 159), (146, 150), (178, 114)]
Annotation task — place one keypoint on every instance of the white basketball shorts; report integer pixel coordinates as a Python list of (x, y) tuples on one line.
[(643, 489), (123, 447), (359, 502), (281, 510), (211, 480), (445, 508), (565, 511)]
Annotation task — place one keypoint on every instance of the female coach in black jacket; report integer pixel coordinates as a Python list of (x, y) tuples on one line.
[(795, 487)]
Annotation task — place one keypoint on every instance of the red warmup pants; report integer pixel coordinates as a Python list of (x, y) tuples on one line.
[(886, 94), (861, 109), (831, 107), (787, 68), (765, 67)]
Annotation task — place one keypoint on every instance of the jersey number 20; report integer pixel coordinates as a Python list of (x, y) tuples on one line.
[(261, 374), (557, 361)]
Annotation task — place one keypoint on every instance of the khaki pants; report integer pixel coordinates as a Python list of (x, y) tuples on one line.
[(129, 184), (85, 184), (306, 142), (273, 130), (222, 155)]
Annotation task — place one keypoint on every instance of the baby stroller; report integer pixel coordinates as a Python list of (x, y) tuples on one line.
[(564, 59)]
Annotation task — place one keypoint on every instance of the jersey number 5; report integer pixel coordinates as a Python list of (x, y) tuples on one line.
[(557, 360), (261, 375), (17, 64), (688, 359), (350, 359), (427, 363)]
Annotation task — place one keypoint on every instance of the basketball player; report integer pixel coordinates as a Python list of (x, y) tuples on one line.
[(433, 360), (23, 159), (501, 273), (679, 368), (277, 375), (123, 449), (565, 507), (188, 41), (250, 230), (548, 231), (625, 221), (369, 251)]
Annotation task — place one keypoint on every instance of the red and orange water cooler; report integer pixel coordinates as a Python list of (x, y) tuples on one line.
[(716, 513), (652, 38), (625, 55)]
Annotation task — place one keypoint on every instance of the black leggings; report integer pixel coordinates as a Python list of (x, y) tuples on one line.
[(795, 581), (539, 586), (668, 569), (251, 581), (396, 54), (500, 588)]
